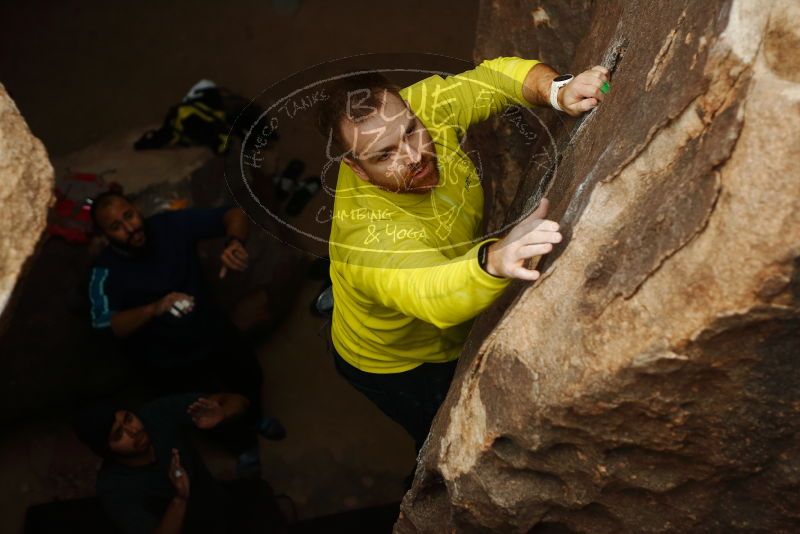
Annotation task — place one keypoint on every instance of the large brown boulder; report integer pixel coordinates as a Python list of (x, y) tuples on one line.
[(650, 380), (26, 190)]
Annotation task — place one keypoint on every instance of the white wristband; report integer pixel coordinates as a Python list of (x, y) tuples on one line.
[(558, 83)]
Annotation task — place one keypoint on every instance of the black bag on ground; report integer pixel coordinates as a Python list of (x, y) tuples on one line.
[(204, 117)]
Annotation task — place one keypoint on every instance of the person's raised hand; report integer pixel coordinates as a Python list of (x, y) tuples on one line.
[(234, 257), (178, 476), (583, 92), (165, 304), (533, 236), (206, 413)]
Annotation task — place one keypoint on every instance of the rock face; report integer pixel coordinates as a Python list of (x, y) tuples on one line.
[(26, 183), (650, 380)]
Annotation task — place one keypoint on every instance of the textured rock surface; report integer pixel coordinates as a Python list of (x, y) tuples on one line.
[(26, 182), (650, 381)]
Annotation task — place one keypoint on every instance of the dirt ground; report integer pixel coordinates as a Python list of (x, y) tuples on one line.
[(82, 72)]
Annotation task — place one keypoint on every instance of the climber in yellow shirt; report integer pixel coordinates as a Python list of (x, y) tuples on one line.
[(408, 268)]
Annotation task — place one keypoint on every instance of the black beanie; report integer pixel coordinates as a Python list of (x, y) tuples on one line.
[(93, 426)]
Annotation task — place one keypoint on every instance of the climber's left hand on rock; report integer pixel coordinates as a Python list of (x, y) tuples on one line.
[(533, 236), (583, 92)]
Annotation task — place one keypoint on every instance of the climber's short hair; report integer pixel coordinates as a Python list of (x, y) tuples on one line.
[(353, 98)]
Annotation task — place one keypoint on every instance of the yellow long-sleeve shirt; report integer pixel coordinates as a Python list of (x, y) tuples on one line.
[(406, 280)]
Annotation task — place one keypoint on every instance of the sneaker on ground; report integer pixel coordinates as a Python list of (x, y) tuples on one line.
[(271, 428)]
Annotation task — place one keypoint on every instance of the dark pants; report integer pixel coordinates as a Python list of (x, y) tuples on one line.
[(249, 506), (410, 399)]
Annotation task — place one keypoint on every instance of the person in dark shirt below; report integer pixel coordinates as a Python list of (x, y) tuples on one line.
[(147, 288), (152, 478)]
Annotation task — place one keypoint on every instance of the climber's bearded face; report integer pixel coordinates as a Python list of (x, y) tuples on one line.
[(122, 224), (390, 148)]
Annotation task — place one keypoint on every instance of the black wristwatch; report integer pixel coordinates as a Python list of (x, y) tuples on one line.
[(483, 257)]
